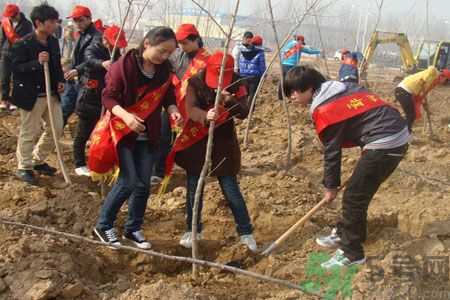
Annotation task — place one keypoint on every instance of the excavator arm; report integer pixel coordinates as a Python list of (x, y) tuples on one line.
[(379, 37)]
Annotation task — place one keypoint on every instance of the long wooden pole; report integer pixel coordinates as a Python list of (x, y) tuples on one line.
[(285, 106), (209, 147), (48, 91), (298, 224)]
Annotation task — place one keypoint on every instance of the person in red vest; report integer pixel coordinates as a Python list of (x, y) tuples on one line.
[(14, 27), (89, 104), (190, 147), (187, 60), (138, 85), (347, 115)]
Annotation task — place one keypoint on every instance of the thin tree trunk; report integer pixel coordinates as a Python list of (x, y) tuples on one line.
[(264, 75), (323, 52), (285, 106), (138, 19), (209, 148)]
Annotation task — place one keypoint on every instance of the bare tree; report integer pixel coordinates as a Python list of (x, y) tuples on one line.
[(209, 146)]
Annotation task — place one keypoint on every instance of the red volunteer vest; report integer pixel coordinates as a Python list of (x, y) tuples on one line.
[(342, 109)]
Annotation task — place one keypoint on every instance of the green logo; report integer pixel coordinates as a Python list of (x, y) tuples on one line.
[(331, 282)]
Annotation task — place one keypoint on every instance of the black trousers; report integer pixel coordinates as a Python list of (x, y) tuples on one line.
[(407, 103), (84, 129), (252, 84), (372, 169)]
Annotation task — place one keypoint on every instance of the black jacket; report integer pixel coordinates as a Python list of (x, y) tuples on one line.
[(89, 103), (28, 72), (23, 28), (91, 35)]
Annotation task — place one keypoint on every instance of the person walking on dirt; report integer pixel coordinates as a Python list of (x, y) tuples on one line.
[(252, 64), (27, 57), (413, 90), (190, 147), (187, 61), (137, 86), (236, 51), (14, 27), (348, 71), (347, 115), (89, 104), (291, 55), (88, 34)]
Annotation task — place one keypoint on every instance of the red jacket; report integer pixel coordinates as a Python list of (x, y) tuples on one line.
[(121, 89)]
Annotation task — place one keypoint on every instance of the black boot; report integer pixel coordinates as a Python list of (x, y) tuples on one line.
[(45, 169), (27, 176)]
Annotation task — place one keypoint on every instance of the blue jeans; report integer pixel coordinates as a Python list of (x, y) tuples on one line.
[(133, 184), (69, 99), (164, 146), (231, 191)]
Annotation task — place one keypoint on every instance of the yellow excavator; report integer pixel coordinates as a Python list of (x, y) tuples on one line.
[(429, 53)]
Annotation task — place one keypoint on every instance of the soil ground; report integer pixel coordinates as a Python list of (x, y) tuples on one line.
[(409, 217)]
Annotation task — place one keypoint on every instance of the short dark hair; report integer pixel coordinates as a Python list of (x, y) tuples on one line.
[(43, 13), (248, 35), (301, 78), (193, 38)]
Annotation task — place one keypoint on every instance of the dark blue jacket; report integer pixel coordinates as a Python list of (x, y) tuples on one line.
[(348, 73), (252, 62)]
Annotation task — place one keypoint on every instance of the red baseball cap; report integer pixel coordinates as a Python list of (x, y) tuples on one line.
[(80, 11), (257, 40), (213, 65), (10, 10), (300, 37), (186, 30), (110, 34), (445, 73)]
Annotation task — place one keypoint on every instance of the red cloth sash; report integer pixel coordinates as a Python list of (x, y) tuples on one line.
[(342, 109), (198, 63), (10, 33), (192, 133), (110, 130), (294, 49), (420, 99)]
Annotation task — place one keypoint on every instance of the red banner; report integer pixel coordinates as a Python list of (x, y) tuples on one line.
[(10, 33), (344, 108), (192, 133), (198, 63), (110, 130)]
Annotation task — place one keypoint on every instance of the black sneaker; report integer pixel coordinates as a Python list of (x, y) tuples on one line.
[(108, 236), (27, 176), (45, 169), (138, 239)]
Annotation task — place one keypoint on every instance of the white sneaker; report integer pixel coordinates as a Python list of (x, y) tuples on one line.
[(138, 239), (82, 171), (155, 180), (329, 241), (249, 241), (186, 239), (3, 105), (12, 107)]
